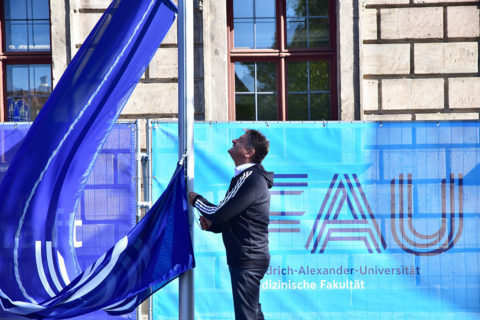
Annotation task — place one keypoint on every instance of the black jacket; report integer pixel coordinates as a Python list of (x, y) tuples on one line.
[(242, 218)]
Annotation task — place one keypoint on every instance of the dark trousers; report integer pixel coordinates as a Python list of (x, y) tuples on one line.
[(246, 293)]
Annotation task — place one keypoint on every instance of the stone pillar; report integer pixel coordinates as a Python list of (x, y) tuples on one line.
[(215, 60)]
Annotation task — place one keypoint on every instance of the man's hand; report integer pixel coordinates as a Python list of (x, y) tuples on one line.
[(191, 197), (205, 223)]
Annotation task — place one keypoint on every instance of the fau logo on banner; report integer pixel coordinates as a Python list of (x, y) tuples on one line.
[(360, 226), (358, 223)]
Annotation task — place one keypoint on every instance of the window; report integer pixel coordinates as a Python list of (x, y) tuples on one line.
[(282, 60), (25, 58)]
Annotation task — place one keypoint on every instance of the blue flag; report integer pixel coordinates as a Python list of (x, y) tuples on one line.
[(41, 276), (156, 250)]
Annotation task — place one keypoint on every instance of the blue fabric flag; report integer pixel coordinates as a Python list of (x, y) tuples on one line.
[(155, 252), (41, 276)]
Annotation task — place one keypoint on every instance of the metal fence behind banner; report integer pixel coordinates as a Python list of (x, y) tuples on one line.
[(107, 208), (368, 220)]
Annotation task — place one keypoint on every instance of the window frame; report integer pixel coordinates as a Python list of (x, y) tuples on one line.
[(18, 58), (281, 56)]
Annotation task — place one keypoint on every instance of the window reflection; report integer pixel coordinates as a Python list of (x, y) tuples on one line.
[(243, 9), (28, 87), (27, 25), (308, 90), (306, 31), (254, 24), (256, 91), (307, 24), (244, 77), (244, 34), (15, 9), (40, 9)]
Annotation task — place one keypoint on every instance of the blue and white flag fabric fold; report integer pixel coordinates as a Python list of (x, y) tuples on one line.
[(157, 250), (41, 189)]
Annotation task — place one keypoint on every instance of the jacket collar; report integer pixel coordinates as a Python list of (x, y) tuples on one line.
[(239, 169)]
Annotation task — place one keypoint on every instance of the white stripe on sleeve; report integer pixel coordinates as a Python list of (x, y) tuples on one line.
[(209, 209)]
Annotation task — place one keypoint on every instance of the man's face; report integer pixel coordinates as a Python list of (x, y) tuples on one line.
[(240, 149)]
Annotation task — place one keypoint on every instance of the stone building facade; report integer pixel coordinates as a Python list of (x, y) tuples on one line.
[(420, 60), (396, 60)]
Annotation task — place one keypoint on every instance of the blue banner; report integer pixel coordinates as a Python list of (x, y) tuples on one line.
[(11, 135), (106, 210), (367, 221)]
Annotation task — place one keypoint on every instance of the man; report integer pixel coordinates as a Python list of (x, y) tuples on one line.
[(242, 218)]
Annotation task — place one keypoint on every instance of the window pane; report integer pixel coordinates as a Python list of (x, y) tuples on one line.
[(308, 87), (244, 77), (296, 8), (266, 77), (40, 9), (297, 76), (39, 36), (319, 76), (254, 24), (245, 107), (318, 8), (264, 8), (307, 23), (266, 33), (320, 106), (256, 91), (311, 75), (16, 35), (28, 87), (17, 80), (244, 34), (267, 107), (15, 9), (18, 110), (37, 103), (243, 8), (319, 35), (297, 107), (27, 25), (40, 79), (296, 33)]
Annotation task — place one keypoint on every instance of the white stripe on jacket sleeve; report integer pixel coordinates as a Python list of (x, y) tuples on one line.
[(209, 209)]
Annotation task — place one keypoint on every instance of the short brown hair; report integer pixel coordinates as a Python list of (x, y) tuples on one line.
[(259, 143)]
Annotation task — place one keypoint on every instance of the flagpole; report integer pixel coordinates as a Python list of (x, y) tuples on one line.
[(185, 132)]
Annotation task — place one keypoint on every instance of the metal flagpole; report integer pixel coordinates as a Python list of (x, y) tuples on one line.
[(185, 131)]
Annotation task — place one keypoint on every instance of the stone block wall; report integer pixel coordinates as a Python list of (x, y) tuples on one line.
[(420, 60)]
